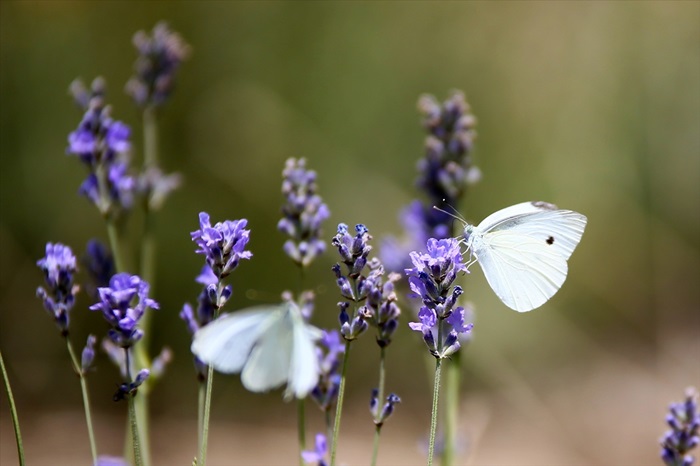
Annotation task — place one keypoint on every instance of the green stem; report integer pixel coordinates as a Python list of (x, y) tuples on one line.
[(200, 412), (13, 410), (380, 400), (202, 460), (433, 418), (134, 432), (375, 448), (86, 399), (451, 411), (301, 428), (135, 440), (150, 137), (339, 407)]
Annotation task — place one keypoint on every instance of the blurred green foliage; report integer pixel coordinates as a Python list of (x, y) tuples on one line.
[(594, 106)]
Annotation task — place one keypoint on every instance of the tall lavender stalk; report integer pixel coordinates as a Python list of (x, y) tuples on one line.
[(444, 174), (13, 412), (303, 214), (440, 321), (159, 57), (223, 245), (123, 304), (59, 265)]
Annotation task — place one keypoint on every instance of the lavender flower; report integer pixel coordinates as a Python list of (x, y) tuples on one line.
[(116, 355), (684, 420), (223, 244), (443, 175), (431, 279), (160, 362), (160, 56), (105, 460), (381, 302), (318, 454), (155, 186), (88, 354), (353, 285), (329, 353), (58, 266), (387, 410), (123, 303), (102, 143), (129, 388), (304, 212), (99, 264)]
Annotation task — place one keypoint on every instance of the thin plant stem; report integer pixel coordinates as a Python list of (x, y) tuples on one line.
[(13, 410), (136, 442), (86, 399), (452, 383), (339, 407), (200, 412), (301, 410), (134, 432), (148, 240), (380, 398), (433, 418), (202, 460), (301, 428), (375, 447)]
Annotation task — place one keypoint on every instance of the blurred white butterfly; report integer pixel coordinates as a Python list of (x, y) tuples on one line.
[(269, 345), (523, 250)]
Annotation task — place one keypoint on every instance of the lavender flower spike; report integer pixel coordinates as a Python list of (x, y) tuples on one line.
[(304, 212), (58, 266), (223, 244), (123, 303), (160, 56), (684, 420), (431, 279), (318, 454)]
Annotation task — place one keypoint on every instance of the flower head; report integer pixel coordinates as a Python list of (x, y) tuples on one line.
[(58, 265), (431, 279), (88, 354), (155, 186), (684, 420), (160, 56), (99, 264), (223, 244), (380, 416), (329, 353), (304, 211), (102, 144), (318, 454), (123, 304)]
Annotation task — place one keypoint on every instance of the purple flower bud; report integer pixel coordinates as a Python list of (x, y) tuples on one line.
[(141, 377), (683, 436), (104, 460), (160, 362), (58, 266), (88, 354), (318, 454)]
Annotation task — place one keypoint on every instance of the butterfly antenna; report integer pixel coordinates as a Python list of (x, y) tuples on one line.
[(454, 214)]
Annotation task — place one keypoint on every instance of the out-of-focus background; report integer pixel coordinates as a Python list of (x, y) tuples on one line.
[(594, 106)]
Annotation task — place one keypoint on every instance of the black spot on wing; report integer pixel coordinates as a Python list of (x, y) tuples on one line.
[(550, 240)]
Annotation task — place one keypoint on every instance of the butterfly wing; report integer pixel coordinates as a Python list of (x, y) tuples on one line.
[(268, 364), (304, 368), (523, 251), (523, 272), (227, 342)]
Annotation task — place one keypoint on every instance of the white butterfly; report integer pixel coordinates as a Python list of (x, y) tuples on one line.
[(523, 250), (269, 345)]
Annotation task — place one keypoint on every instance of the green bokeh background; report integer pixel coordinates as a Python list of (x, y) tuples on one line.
[(594, 106)]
